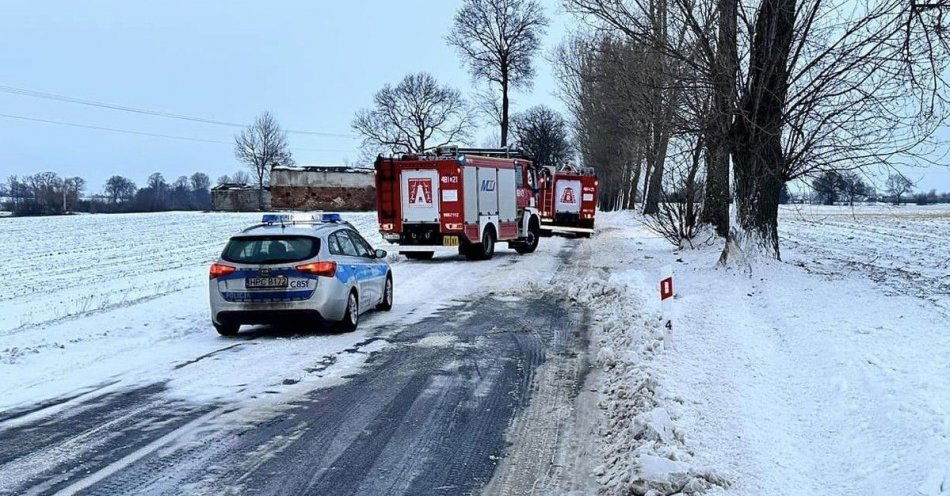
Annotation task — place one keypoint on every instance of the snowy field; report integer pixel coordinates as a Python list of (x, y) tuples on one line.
[(828, 373)]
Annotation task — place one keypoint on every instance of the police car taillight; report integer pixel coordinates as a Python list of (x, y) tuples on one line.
[(218, 270), (324, 269)]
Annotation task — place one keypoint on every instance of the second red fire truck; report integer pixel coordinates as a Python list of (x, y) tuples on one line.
[(568, 200)]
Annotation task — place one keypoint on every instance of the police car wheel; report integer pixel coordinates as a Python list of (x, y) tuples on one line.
[(351, 317), (227, 329), (387, 303)]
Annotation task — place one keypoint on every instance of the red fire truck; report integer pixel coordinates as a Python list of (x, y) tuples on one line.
[(457, 199), (568, 200)]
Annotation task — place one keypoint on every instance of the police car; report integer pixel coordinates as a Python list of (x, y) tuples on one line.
[(298, 269)]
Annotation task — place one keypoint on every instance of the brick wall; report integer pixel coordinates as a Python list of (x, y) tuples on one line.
[(238, 200), (323, 198)]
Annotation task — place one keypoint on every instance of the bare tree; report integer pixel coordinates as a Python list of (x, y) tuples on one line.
[(240, 177), (542, 133), (416, 114), (201, 190), (262, 146), (72, 191), (678, 214), (498, 39), (200, 181), (853, 186), (119, 188), (827, 187), (897, 186)]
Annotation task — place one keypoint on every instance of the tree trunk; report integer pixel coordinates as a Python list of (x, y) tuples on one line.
[(635, 183), (504, 110), (757, 134), (648, 164), (716, 199), (260, 192), (661, 141)]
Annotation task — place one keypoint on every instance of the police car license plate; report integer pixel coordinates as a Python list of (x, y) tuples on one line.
[(450, 241), (266, 282)]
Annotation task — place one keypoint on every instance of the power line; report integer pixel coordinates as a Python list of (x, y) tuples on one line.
[(112, 106), (141, 133)]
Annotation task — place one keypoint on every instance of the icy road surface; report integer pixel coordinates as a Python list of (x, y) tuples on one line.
[(114, 382)]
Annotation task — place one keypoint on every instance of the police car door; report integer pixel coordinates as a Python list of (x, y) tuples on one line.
[(354, 264), (376, 269), (369, 274)]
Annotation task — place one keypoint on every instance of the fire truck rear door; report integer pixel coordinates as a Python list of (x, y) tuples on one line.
[(567, 196), (420, 194)]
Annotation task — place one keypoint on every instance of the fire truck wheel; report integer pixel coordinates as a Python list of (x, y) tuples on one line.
[(486, 249), (419, 255), (531, 242)]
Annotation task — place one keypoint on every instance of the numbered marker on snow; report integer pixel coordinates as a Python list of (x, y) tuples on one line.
[(666, 296)]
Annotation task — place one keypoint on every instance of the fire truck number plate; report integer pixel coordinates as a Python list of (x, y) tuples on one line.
[(450, 241)]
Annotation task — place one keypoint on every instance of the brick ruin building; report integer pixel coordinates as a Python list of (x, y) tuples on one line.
[(322, 188), (233, 197)]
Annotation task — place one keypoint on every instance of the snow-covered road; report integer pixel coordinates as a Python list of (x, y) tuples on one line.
[(135, 392)]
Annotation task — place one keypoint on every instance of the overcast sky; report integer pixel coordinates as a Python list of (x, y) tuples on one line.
[(311, 63)]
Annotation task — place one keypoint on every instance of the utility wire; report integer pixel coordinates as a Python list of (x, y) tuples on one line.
[(140, 133), (112, 106)]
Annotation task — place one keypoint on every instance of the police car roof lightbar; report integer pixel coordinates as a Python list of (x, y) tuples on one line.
[(300, 218)]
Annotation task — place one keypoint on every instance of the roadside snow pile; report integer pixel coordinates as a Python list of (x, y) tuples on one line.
[(644, 451)]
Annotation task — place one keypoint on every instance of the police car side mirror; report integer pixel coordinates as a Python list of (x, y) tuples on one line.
[(381, 253)]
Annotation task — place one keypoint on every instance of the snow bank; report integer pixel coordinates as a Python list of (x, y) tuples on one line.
[(644, 452)]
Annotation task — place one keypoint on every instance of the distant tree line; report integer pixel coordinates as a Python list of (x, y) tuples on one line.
[(833, 187), (46, 193)]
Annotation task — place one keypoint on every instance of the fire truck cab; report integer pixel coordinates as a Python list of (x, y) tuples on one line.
[(457, 199), (568, 200)]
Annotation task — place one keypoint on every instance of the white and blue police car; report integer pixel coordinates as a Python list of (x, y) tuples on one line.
[(298, 269)]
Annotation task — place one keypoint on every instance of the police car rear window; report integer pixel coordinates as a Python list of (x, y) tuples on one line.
[(270, 249)]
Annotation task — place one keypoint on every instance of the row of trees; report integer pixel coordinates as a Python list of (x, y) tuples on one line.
[(46, 193), (720, 100)]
